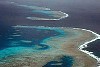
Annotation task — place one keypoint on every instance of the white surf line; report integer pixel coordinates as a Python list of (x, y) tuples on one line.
[(66, 15), (86, 45), (38, 18)]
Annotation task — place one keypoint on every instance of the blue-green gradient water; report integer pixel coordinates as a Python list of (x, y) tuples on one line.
[(82, 14), (26, 37), (65, 61), (15, 40)]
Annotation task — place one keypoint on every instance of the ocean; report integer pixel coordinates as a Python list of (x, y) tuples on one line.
[(82, 14), (94, 47)]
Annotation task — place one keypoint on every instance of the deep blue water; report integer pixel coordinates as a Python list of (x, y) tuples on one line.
[(66, 61), (94, 47)]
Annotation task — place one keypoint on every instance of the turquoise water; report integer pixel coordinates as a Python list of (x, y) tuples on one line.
[(19, 39)]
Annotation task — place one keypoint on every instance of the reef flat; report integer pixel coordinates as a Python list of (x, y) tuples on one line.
[(42, 13), (61, 48)]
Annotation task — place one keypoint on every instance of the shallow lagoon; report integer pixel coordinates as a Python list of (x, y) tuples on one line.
[(26, 37), (30, 40)]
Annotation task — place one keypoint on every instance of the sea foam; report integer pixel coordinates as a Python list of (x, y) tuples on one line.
[(86, 44)]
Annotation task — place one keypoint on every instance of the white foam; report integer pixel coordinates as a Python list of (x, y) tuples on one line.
[(26, 41), (65, 15), (38, 18), (86, 43)]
